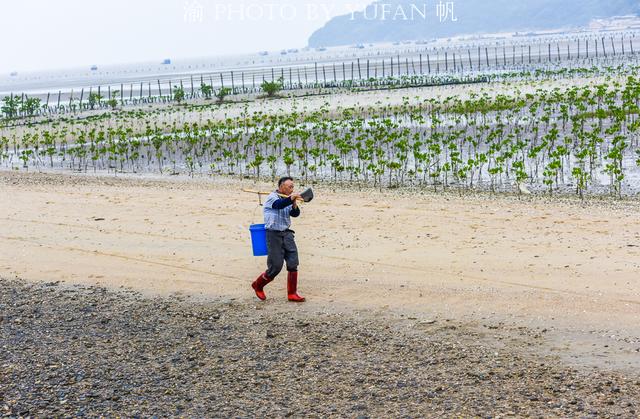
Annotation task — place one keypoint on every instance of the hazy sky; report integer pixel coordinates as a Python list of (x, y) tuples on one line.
[(49, 34)]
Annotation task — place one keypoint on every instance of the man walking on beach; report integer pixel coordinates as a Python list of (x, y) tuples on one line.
[(280, 205)]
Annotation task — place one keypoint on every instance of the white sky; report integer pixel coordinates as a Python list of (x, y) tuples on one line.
[(49, 34)]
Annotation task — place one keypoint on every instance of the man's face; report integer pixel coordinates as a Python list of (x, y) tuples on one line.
[(287, 187)]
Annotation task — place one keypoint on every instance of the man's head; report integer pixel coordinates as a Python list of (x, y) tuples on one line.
[(285, 185)]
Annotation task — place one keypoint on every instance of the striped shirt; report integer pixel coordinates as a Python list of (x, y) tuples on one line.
[(277, 212)]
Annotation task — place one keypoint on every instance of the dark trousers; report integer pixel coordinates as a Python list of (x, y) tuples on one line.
[(281, 247)]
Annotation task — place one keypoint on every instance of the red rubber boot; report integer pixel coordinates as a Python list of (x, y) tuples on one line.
[(292, 288), (259, 284)]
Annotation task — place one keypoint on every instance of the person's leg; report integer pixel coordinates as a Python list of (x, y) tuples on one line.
[(275, 253), (290, 251), (258, 285), (275, 259), (291, 257)]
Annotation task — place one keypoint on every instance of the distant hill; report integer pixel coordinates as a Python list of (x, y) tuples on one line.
[(398, 20)]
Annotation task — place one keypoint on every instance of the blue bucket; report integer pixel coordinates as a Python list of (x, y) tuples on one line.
[(258, 239)]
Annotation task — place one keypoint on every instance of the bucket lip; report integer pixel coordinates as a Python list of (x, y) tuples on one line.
[(257, 227)]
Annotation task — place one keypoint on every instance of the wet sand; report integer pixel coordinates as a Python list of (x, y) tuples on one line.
[(88, 351), (558, 272), (535, 261)]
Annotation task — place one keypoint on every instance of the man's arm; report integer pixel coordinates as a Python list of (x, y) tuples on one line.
[(285, 202), (295, 212), (281, 203)]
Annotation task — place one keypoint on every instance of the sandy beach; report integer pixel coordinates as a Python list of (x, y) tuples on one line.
[(532, 261), (561, 273)]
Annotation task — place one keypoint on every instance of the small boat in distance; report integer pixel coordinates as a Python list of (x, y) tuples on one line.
[(13, 73), (94, 67), (166, 61)]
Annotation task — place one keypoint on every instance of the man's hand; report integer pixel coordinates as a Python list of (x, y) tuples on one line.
[(294, 197)]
